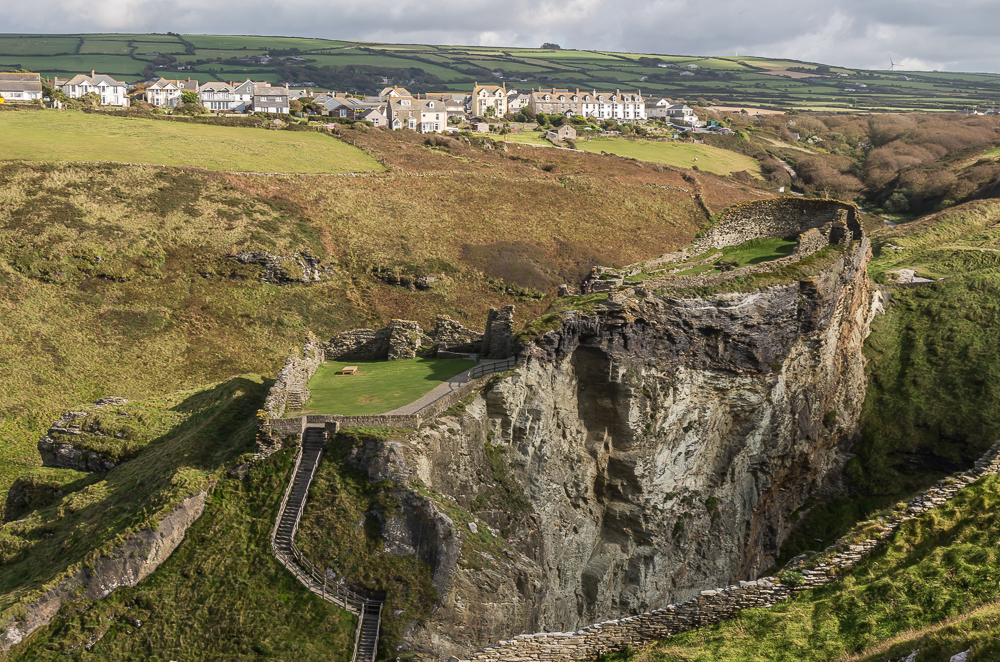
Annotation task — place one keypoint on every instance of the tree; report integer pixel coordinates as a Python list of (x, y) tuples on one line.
[(490, 111), (552, 47), (187, 96)]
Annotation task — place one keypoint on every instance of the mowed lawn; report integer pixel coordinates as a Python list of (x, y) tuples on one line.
[(51, 135), (378, 386), (681, 155)]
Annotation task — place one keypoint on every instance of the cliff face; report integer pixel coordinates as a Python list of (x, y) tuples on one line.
[(646, 450)]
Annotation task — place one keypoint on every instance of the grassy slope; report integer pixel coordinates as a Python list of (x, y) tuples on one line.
[(341, 530), (114, 281), (680, 155), (941, 565), (75, 136), (379, 386), (221, 595), (212, 427)]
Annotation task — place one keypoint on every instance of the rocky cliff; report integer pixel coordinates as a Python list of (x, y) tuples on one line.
[(649, 448)]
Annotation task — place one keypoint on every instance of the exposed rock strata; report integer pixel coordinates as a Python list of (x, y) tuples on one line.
[(127, 565), (660, 443), (58, 450), (296, 268)]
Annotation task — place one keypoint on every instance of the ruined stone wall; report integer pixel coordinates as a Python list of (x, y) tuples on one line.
[(289, 392), (714, 606), (399, 340), (454, 337), (498, 341), (778, 217)]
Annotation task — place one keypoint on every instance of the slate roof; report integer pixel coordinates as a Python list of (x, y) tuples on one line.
[(12, 82)]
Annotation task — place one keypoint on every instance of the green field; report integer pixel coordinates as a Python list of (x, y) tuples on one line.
[(742, 80), (78, 136), (681, 155), (379, 386)]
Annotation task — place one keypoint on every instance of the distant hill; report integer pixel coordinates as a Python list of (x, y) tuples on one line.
[(366, 67)]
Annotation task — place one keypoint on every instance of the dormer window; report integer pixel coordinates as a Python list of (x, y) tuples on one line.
[(575, 98), (548, 98)]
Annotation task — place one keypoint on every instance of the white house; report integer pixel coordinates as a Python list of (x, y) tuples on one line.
[(421, 115), (112, 92), (216, 96), (615, 105), (20, 87), (681, 114), (165, 93)]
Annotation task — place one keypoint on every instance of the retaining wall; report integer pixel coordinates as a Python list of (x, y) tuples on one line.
[(721, 604)]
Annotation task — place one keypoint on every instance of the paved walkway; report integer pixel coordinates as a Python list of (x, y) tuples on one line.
[(440, 391)]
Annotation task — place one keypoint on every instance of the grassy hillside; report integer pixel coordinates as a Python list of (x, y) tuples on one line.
[(183, 441), (943, 565), (358, 66), (118, 280), (75, 136), (221, 596)]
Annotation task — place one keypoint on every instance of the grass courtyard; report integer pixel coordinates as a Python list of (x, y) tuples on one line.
[(378, 386), (77, 136)]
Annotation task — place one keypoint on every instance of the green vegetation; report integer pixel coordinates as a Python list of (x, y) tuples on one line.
[(213, 427), (939, 566), (378, 386), (77, 136), (743, 81), (341, 529), (934, 371), (680, 155), (221, 595)]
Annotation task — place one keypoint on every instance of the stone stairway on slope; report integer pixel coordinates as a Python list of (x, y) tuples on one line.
[(368, 610)]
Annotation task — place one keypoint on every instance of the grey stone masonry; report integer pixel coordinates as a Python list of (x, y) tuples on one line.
[(453, 337), (289, 392), (400, 339), (782, 217), (717, 605), (498, 341)]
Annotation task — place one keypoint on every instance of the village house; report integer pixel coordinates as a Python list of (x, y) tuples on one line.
[(492, 98), (421, 115), (598, 105), (216, 96), (270, 100), (454, 104), (393, 92), (112, 92), (566, 131), (16, 87), (681, 114), (165, 93), (243, 95), (656, 109), (517, 102), (350, 108)]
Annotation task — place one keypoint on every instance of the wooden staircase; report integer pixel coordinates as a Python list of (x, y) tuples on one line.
[(368, 610)]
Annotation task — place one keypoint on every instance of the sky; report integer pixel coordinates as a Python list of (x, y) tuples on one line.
[(915, 34)]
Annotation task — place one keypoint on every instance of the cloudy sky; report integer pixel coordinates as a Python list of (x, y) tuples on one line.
[(917, 34)]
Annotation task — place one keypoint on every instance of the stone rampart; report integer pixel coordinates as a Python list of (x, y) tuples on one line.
[(289, 392), (714, 606), (779, 217)]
